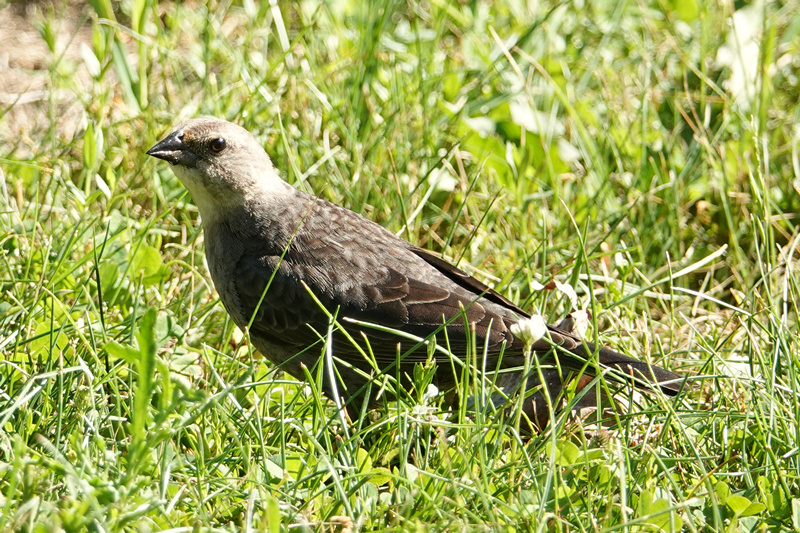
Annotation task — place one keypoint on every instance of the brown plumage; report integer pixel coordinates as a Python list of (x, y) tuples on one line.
[(268, 245)]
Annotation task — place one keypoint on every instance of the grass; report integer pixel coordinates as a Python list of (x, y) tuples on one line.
[(601, 144)]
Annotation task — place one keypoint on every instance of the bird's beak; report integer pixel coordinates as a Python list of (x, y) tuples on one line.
[(173, 150)]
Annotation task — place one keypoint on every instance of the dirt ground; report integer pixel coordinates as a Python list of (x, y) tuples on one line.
[(27, 101)]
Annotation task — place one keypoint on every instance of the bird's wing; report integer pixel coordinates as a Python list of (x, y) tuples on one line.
[(362, 273), (289, 316), (468, 282)]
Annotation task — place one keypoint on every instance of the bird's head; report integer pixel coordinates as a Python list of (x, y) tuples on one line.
[(221, 164)]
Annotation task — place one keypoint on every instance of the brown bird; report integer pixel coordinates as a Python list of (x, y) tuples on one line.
[(284, 262)]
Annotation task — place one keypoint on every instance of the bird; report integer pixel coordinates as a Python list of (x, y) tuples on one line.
[(314, 283)]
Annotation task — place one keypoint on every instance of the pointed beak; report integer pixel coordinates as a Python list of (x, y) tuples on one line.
[(172, 149)]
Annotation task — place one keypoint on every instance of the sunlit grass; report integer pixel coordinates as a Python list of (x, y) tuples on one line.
[(602, 145)]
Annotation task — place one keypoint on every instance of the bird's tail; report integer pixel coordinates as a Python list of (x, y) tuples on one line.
[(576, 352), (551, 380), (644, 375)]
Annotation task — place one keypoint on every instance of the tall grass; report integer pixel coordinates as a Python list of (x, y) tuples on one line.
[(605, 145)]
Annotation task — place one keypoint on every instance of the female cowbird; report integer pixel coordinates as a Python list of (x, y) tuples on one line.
[(286, 264)]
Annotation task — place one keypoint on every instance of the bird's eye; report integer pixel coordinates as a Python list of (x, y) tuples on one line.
[(218, 145)]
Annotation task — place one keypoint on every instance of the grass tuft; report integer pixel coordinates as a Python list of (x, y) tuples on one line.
[(646, 155)]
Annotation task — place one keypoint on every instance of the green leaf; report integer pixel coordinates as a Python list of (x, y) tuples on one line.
[(273, 514), (363, 460), (48, 338), (656, 511), (138, 15), (380, 476), (146, 336), (567, 453), (146, 260), (741, 506), (108, 276), (796, 513), (127, 77), (103, 8), (273, 468), (298, 465), (723, 491), (129, 354), (89, 147), (737, 504), (774, 498), (687, 10)]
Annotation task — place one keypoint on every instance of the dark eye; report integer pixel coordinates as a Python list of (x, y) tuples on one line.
[(218, 145)]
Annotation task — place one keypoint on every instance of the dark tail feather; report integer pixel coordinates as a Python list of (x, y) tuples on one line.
[(644, 375), (573, 354)]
